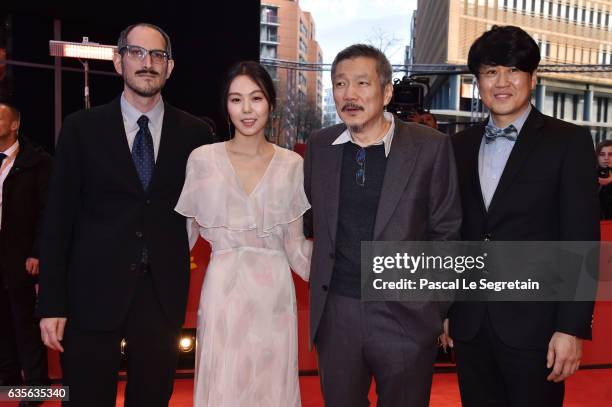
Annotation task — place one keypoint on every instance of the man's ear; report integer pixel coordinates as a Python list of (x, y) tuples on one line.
[(388, 93), (15, 125), (170, 68), (117, 63), (534, 79)]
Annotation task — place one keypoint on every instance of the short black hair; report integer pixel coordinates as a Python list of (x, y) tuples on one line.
[(383, 67), (506, 46), (258, 74), (122, 41)]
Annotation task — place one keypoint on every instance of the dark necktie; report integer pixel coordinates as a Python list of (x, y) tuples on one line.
[(142, 152), (492, 133), (144, 160), (2, 157)]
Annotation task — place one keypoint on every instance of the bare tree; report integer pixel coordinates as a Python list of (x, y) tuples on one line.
[(384, 41)]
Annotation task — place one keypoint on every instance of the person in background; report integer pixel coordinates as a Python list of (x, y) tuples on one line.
[(604, 160), (24, 177)]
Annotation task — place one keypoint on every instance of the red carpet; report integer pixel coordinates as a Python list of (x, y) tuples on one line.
[(587, 388)]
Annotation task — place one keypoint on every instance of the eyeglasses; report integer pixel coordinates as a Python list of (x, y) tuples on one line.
[(360, 173), (158, 56)]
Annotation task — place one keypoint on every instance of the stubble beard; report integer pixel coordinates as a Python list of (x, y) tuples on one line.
[(356, 128), (146, 90), (143, 91)]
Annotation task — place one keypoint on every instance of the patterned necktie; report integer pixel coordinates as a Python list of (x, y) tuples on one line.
[(2, 157), (142, 152), (492, 133)]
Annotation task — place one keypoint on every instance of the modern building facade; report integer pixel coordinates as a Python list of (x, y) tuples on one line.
[(287, 33), (330, 114), (567, 31)]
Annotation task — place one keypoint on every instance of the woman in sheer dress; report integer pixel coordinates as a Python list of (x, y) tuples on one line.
[(246, 197)]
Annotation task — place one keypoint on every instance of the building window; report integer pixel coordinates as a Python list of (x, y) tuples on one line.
[(559, 105), (268, 51), (599, 109), (303, 46), (269, 33), (269, 14), (303, 28), (602, 109), (575, 14), (562, 105)]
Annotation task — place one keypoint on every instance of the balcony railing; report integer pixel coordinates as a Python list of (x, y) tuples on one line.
[(269, 19), (273, 38)]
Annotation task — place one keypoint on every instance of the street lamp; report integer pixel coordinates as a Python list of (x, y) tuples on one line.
[(83, 51)]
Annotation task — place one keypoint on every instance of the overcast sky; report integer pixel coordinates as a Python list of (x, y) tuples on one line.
[(340, 23)]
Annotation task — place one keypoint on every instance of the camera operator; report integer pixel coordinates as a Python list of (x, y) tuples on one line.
[(604, 158)]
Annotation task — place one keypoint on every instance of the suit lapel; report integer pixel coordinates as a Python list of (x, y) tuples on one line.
[(118, 145), (400, 164), (526, 141), (167, 145), (331, 185)]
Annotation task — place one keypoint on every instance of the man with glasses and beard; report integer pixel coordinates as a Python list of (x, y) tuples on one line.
[(374, 177), (115, 254)]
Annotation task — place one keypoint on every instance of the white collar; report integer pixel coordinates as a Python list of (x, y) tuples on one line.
[(346, 136)]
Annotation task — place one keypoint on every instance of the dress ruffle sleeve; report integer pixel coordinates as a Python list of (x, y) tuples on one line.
[(207, 197)]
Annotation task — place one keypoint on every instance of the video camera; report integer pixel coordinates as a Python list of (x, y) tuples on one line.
[(408, 95)]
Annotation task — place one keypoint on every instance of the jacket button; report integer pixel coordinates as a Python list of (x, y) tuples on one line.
[(138, 234), (324, 287), (487, 237), (133, 267)]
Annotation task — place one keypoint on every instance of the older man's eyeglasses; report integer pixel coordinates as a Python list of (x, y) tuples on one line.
[(158, 56), (360, 173)]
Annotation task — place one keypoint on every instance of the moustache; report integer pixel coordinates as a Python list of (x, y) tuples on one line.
[(147, 71), (352, 106)]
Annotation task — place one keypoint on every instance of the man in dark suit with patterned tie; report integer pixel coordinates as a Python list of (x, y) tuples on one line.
[(115, 254), (523, 176)]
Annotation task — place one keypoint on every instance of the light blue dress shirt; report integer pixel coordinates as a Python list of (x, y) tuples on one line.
[(492, 159)]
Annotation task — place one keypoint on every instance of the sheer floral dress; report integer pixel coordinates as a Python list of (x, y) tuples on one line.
[(246, 352)]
